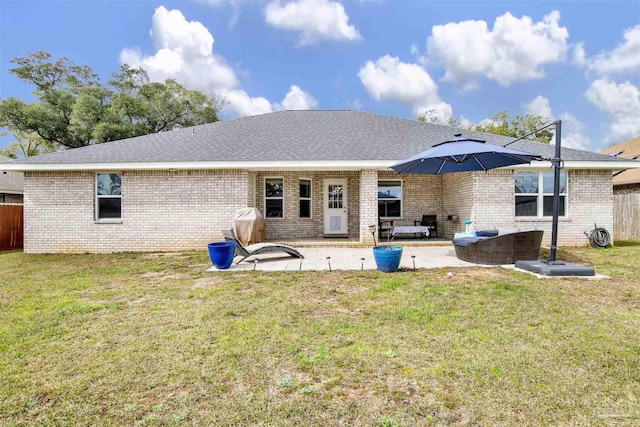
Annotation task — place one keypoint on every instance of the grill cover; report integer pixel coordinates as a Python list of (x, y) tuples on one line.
[(249, 226)]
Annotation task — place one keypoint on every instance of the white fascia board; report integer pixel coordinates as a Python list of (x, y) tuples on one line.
[(283, 165), (279, 165)]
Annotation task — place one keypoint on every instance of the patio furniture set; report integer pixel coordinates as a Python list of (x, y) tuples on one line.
[(427, 227)]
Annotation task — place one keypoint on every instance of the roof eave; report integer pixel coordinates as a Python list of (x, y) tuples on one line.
[(281, 165), (254, 165)]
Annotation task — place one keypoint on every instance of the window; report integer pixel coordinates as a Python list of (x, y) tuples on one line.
[(305, 198), (273, 198), (534, 194), (108, 196), (390, 199)]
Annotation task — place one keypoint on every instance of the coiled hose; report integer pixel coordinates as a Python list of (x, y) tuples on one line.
[(599, 237)]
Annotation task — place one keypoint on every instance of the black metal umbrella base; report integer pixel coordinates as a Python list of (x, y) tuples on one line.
[(555, 268)]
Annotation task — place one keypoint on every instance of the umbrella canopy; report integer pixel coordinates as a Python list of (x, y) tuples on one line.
[(463, 156)]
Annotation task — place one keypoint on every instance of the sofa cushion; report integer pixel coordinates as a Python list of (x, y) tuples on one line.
[(487, 233), (465, 241), (503, 231)]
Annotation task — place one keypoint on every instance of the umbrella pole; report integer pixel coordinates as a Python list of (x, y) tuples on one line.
[(557, 165)]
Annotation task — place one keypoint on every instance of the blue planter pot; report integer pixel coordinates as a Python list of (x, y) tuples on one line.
[(387, 257), (221, 254)]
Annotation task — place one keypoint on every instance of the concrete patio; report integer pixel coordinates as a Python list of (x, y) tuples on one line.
[(340, 258)]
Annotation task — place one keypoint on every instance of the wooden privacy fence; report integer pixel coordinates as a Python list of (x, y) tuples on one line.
[(626, 216), (11, 227)]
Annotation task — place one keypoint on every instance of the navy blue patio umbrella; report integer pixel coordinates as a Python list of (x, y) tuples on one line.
[(464, 155)]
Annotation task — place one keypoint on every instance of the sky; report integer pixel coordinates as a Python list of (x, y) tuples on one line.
[(577, 61)]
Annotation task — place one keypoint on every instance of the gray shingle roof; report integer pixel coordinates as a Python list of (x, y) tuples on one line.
[(10, 182), (292, 136)]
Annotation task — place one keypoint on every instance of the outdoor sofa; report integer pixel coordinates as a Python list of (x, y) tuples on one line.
[(495, 247)]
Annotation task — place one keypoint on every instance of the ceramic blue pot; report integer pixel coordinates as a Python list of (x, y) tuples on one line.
[(387, 257), (221, 254)]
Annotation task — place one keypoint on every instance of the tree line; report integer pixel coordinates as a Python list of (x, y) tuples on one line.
[(72, 108), (502, 124)]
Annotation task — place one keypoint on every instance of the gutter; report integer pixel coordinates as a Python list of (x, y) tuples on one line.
[(329, 165)]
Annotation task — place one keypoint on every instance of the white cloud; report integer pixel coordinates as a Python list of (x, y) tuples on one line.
[(297, 99), (622, 102), (573, 130), (315, 20), (515, 49), (388, 78), (244, 105), (573, 133), (579, 54), (540, 107), (625, 58), (184, 51)]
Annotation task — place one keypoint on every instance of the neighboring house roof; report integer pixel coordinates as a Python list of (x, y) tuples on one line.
[(283, 139), (10, 182), (626, 150)]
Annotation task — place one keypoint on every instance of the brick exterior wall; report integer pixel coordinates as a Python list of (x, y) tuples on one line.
[(164, 210), (160, 211), (421, 195), (457, 199), (294, 227), (590, 200), (368, 205)]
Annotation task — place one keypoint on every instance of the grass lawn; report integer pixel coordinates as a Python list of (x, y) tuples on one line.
[(152, 339)]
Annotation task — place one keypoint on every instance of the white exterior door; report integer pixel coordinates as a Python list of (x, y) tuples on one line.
[(335, 206)]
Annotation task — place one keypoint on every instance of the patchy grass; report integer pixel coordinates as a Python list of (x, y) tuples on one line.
[(139, 339)]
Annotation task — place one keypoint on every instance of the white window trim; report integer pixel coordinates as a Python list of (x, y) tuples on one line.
[(395, 198), (96, 208), (541, 194), (264, 189), (310, 198)]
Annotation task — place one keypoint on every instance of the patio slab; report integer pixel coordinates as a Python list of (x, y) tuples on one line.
[(336, 258)]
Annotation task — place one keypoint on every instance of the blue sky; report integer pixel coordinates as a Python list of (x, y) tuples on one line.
[(577, 61)]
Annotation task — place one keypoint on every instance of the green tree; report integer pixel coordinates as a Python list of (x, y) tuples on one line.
[(26, 145), (517, 127), (502, 124), (74, 109)]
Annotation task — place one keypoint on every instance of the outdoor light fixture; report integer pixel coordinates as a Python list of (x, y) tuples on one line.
[(372, 229)]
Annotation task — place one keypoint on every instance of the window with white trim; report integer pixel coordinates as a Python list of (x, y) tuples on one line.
[(305, 198), (534, 194), (273, 198), (390, 198), (108, 196)]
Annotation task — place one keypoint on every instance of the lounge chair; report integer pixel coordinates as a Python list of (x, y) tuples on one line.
[(258, 248)]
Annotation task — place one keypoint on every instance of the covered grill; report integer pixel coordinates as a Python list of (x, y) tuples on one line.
[(249, 226)]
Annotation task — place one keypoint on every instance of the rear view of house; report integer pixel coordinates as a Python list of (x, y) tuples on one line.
[(312, 174)]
